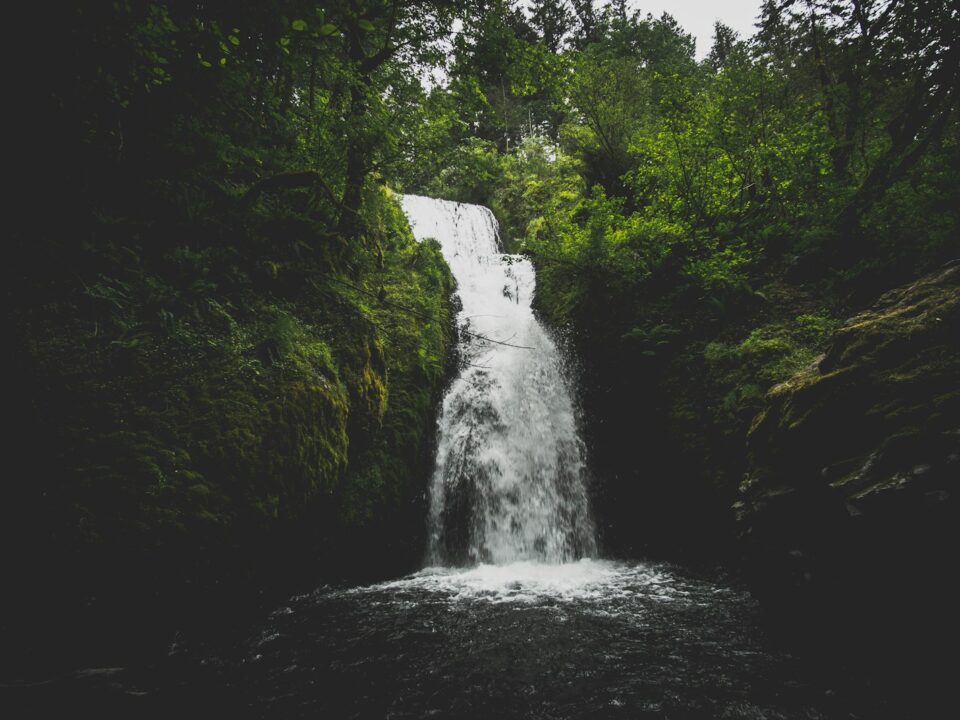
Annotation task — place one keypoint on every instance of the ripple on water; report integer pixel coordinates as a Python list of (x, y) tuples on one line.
[(592, 638)]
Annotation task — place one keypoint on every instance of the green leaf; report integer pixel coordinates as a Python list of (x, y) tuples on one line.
[(284, 41), (328, 29), (234, 39), (365, 25), (223, 62), (299, 25)]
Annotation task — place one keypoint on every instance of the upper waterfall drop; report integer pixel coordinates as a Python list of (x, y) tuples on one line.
[(510, 477)]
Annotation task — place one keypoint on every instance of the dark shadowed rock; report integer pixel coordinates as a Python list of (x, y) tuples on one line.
[(848, 512)]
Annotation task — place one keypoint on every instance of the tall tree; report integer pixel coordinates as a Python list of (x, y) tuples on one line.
[(725, 40), (552, 20), (587, 23)]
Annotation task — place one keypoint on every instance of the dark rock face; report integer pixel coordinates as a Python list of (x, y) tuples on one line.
[(848, 513)]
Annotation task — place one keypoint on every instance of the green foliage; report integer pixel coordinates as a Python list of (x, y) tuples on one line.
[(742, 370), (752, 161), (470, 174)]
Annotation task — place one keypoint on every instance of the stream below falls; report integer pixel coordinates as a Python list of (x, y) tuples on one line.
[(588, 639)]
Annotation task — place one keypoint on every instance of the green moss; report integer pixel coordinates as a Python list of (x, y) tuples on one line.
[(200, 403), (415, 322), (873, 408), (773, 357)]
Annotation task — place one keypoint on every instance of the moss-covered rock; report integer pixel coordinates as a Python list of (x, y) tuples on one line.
[(848, 512), (187, 422)]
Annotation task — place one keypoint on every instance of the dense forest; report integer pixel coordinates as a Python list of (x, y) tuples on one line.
[(228, 349)]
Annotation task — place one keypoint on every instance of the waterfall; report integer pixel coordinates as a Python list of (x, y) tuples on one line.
[(510, 479)]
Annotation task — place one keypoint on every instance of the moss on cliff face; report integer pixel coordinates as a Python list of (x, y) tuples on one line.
[(848, 513), (890, 374), (190, 415)]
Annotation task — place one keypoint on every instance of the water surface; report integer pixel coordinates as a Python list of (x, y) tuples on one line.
[(590, 639)]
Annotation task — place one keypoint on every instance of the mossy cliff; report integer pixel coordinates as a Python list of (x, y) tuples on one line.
[(193, 417), (669, 385), (848, 513)]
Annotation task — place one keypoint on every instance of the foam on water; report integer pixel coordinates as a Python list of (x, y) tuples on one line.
[(599, 581)]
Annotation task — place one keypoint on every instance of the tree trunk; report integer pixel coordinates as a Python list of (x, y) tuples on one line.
[(356, 171)]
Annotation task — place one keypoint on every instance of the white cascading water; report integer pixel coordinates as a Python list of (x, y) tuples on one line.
[(510, 478)]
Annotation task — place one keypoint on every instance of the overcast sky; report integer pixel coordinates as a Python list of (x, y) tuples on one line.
[(697, 16)]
